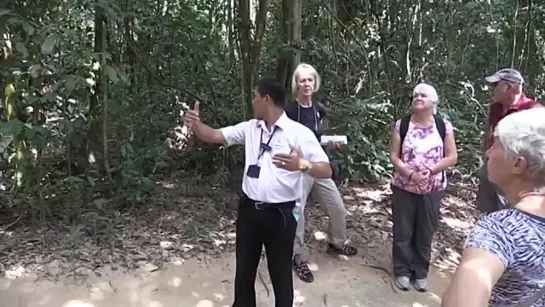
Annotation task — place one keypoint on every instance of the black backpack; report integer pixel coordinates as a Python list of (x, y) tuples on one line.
[(404, 127)]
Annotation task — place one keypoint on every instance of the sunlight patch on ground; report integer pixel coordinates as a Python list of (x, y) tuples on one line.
[(6, 233), (166, 244), (434, 297), (219, 297), (175, 282), (15, 272), (205, 303), (45, 299), (456, 223), (320, 235), (298, 297), (77, 303), (232, 235), (98, 292), (417, 304), (4, 284), (372, 194), (168, 185)]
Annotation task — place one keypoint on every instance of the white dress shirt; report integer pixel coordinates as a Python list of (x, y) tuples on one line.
[(274, 185)]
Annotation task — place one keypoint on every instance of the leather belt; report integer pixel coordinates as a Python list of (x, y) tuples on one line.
[(259, 205)]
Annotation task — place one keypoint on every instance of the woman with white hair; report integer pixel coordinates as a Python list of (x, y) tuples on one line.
[(306, 82), (503, 263), (422, 147)]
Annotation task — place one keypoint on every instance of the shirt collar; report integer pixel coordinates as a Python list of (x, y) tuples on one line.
[(281, 123), (521, 102)]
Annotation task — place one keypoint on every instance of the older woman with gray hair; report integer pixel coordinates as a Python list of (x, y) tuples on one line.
[(503, 263), (311, 113), (422, 147)]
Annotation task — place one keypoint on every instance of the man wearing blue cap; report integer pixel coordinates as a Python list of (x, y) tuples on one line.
[(507, 98)]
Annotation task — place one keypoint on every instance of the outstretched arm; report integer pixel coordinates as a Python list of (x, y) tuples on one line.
[(228, 135), (207, 133), (474, 280)]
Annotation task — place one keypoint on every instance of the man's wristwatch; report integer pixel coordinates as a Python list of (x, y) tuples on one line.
[(306, 167)]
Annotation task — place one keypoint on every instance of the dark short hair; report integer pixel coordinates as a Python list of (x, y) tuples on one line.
[(274, 88)]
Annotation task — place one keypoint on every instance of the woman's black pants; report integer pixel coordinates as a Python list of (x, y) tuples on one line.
[(415, 218)]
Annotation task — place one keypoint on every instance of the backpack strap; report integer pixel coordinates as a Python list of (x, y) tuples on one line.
[(403, 128), (442, 129), (440, 124)]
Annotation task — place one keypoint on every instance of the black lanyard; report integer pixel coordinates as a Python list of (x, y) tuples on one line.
[(265, 147)]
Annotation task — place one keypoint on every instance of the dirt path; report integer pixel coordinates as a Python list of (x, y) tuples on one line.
[(338, 283), (199, 227)]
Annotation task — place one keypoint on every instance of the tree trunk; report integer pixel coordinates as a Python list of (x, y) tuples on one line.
[(250, 46), (290, 55), (98, 110)]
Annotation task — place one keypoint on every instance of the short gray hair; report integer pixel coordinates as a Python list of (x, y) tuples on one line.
[(523, 134), (301, 67), (430, 91)]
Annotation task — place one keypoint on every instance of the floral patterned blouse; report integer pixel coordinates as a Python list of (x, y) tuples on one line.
[(422, 149)]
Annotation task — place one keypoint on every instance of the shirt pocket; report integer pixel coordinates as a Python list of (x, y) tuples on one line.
[(280, 146)]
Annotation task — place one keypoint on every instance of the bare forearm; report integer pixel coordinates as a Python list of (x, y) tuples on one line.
[(400, 166), (458, 295), (444, 163), (319, 170), (208, 134)]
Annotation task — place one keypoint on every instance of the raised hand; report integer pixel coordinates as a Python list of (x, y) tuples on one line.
[(192, 116)]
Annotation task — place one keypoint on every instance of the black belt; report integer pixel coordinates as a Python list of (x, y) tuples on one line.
[(262, 206)]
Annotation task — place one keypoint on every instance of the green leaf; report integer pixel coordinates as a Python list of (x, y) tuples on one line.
[(4, 12), (101, 202), (40, 141), (29, 29), (21, 48), (49, 44), (42, 131), (112, 74), (5, 141), (91, 180), (70, 85), (74, 179), (12, 127), (123, 76), (30, 133), (35, 70)]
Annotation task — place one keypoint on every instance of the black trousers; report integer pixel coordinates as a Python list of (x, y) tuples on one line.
[(272, 225), (415, 218)]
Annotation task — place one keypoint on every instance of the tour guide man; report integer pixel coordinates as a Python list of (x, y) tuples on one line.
[(278, 151)]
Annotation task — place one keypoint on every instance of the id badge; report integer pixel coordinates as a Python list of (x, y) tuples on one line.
[(253, 171)]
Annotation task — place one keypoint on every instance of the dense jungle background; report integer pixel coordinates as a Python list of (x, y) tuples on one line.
[(95, 165)]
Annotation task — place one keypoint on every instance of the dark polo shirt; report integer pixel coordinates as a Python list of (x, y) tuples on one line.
[(497, 113)]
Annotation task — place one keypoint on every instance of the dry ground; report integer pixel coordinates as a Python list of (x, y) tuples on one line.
[(177, 251)]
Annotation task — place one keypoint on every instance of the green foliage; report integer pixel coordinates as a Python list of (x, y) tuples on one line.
[(89, 113)]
